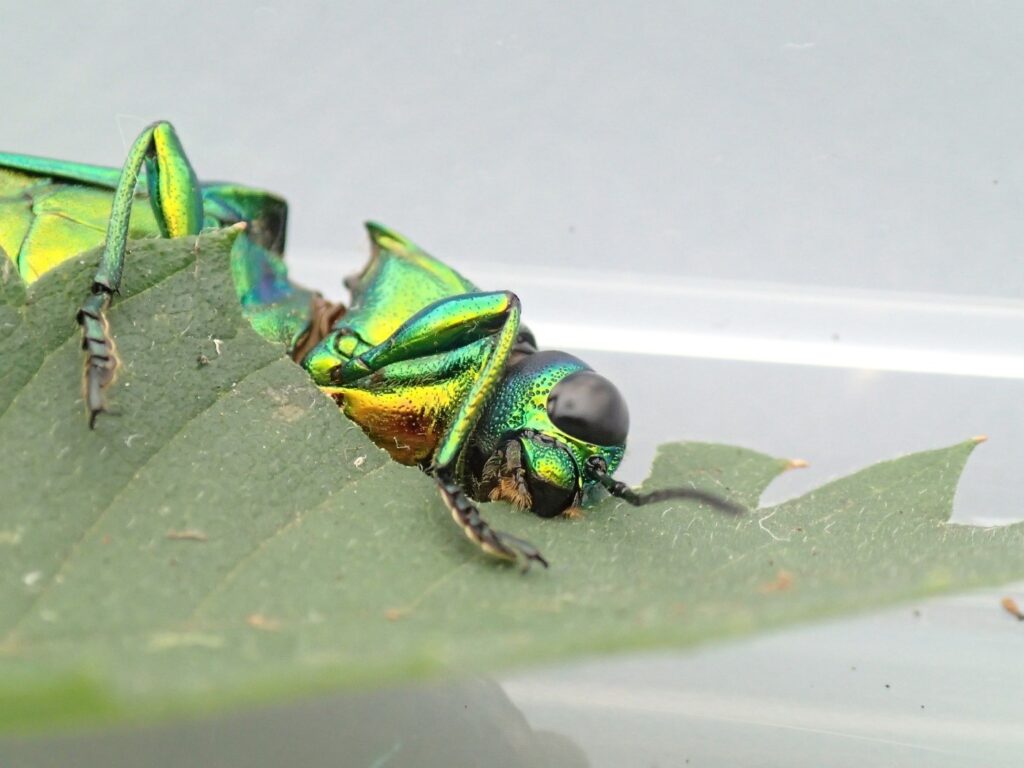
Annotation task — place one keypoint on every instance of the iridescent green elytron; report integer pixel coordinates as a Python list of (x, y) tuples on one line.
[(438, 373)]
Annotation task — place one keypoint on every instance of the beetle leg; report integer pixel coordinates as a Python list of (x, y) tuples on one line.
[(446, 325), (178, 205), (496, 543), (505, 473)]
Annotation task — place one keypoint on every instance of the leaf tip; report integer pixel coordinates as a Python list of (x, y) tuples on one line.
[(979, 439), (1011, 607), (795, 464)]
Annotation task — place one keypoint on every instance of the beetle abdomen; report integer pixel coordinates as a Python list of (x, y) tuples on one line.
[(43, 222)]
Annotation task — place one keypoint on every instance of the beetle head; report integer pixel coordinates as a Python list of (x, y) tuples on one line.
[(551, 414), (561, 430)]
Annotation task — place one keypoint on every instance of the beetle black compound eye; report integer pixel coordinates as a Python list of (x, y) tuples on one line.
[(589, 407)]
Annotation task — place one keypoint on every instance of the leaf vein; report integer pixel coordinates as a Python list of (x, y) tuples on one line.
[(230, 575), (102, 513)]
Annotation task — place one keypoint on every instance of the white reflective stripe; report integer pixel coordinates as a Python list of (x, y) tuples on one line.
[(657, 341), (822, 326)]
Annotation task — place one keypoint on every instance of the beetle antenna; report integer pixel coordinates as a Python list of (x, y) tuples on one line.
[(599, 469)]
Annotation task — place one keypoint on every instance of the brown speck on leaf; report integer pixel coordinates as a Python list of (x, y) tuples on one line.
[(106, 539), (1011, 607), (202, 360), (187, 534), (783, 580), (394, 614), (261, 622)]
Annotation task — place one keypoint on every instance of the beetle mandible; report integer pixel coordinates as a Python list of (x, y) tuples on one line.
[(437, 372)]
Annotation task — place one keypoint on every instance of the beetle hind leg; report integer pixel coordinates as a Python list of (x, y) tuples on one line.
[(493, 542), (101, 356), (178, 207)]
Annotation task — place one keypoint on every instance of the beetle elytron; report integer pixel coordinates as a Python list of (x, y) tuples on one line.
[(435, 371)]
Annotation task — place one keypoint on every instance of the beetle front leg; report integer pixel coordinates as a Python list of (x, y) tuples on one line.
[(445, 326), (178, 205), (496, 543)]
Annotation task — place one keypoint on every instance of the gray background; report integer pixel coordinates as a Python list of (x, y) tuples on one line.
[(726, 157), (859, 144)]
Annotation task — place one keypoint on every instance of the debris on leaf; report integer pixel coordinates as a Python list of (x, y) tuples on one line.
[(783, 581), (188, 534), (265, 623)]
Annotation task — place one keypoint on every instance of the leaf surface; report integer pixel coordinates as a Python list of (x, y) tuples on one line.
[(229, 537)]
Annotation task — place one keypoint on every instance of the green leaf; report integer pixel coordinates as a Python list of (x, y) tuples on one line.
[(230, 538)]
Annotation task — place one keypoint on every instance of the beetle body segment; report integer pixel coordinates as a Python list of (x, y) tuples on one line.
[(510, 449)]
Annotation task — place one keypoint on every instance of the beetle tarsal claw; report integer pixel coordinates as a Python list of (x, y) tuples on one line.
[(524, 550), (101, 356), (477, 530)]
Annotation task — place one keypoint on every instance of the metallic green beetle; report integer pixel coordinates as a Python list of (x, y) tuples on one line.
[(435, 371)]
